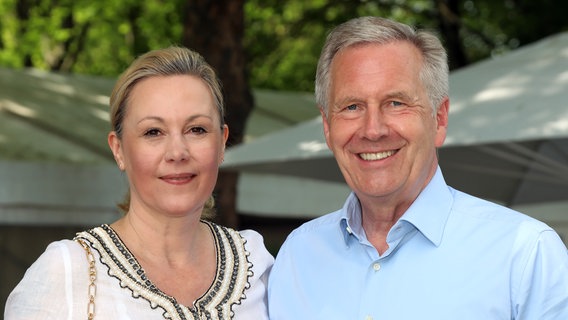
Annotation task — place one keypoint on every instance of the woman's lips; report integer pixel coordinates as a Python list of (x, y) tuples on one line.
[(178, 178)]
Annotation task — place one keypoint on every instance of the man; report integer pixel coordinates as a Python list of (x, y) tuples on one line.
[(406, 246)]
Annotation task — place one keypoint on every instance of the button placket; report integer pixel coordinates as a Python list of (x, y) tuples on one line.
[(376, 266)]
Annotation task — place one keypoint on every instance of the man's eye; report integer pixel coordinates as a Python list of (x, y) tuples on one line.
[(351, 107), (396, 103)]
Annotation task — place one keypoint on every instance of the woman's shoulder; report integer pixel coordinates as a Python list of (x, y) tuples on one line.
[(259, 256), (252, 241), (252, 304), (45, 282), (61, 258), (255, 245), (60, 251)]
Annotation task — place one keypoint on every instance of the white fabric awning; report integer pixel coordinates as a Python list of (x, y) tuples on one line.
[(55, 164), (507, 137)]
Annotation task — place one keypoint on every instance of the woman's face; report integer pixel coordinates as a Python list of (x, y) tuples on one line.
[(171, 146)]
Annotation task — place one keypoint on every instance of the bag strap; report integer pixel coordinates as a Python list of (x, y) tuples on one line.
[(92, 290)]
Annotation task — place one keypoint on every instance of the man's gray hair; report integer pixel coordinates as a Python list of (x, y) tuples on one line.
[(376, 30)]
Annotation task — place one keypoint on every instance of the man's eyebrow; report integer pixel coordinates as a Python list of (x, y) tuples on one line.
[(345, 100), (400, 95)]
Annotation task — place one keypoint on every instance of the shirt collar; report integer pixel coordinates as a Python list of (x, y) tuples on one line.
[(428, 213), (350, 219)]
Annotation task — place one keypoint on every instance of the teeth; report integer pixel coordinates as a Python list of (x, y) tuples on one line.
[(376, 156)]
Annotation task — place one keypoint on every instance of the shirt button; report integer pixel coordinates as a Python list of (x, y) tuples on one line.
[(376, 267)]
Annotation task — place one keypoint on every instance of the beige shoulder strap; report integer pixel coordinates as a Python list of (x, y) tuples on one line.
[(92, 291)]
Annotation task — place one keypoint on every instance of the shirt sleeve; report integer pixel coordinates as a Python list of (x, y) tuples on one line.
[(46, 290), (543, 289), (254, 306)]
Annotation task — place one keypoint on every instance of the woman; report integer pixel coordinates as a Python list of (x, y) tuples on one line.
[(162, 260)]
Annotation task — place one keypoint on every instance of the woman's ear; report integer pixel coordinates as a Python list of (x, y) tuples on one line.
[(115, 147), (225, 134), (225, 129)]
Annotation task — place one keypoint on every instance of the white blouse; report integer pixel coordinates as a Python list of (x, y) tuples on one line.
[(56, 285)]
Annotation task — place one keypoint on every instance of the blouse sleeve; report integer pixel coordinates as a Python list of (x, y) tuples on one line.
[(46, 290), (255, 304)]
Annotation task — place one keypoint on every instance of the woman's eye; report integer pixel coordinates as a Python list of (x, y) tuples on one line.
[(152, 132), (197, 130)]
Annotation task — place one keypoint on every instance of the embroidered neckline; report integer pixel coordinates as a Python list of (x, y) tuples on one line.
[(227, 289)]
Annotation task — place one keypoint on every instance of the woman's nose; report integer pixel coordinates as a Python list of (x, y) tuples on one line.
[(178, 149)]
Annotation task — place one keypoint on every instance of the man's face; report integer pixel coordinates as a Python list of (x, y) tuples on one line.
[(380, 125)]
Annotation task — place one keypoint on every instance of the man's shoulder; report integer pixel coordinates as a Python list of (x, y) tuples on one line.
[(469, 206), (318, 226)]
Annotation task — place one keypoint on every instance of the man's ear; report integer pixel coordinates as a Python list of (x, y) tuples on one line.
[(442, 122), (325, 126)]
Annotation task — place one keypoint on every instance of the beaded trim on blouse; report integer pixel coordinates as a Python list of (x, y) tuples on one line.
[(228, 288)]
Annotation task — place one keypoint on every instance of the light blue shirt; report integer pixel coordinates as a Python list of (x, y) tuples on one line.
[(451, 256)]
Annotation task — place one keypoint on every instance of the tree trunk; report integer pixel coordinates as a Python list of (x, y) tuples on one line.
[(23, 14), (215, 29), (450, 24)]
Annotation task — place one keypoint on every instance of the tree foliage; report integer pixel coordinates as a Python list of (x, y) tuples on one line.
[(282, 38), (82, 36)]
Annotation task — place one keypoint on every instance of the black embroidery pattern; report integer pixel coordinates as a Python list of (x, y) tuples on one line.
[(228, 288)]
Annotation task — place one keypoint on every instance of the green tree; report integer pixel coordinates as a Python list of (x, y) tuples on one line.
[(283, 38), (81, 36)]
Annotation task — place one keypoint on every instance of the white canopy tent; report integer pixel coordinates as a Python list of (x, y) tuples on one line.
[(55, 164), (507, 139)]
